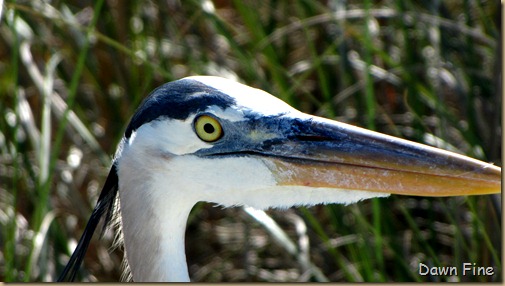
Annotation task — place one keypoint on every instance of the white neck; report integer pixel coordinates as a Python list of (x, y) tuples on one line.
[(154, 243), (153, 225)]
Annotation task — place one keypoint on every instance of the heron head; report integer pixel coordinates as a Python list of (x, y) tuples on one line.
[(217, 140)]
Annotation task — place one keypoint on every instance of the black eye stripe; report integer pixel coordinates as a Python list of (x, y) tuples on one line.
[(175, 100)]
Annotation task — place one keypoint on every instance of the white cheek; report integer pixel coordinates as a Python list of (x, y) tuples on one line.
[(174, 136), (221, 180)]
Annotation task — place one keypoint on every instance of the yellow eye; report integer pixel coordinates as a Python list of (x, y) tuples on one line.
[(208, 128)]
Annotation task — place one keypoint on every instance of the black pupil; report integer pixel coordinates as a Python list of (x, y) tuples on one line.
[(208, 128)]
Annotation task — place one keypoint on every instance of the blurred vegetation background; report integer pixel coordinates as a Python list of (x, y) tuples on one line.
[(73, 72)]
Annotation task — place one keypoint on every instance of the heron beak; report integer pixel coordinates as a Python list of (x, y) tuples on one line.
[(329, 154)]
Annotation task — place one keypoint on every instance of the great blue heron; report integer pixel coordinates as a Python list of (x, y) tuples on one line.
[(216, 140)]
